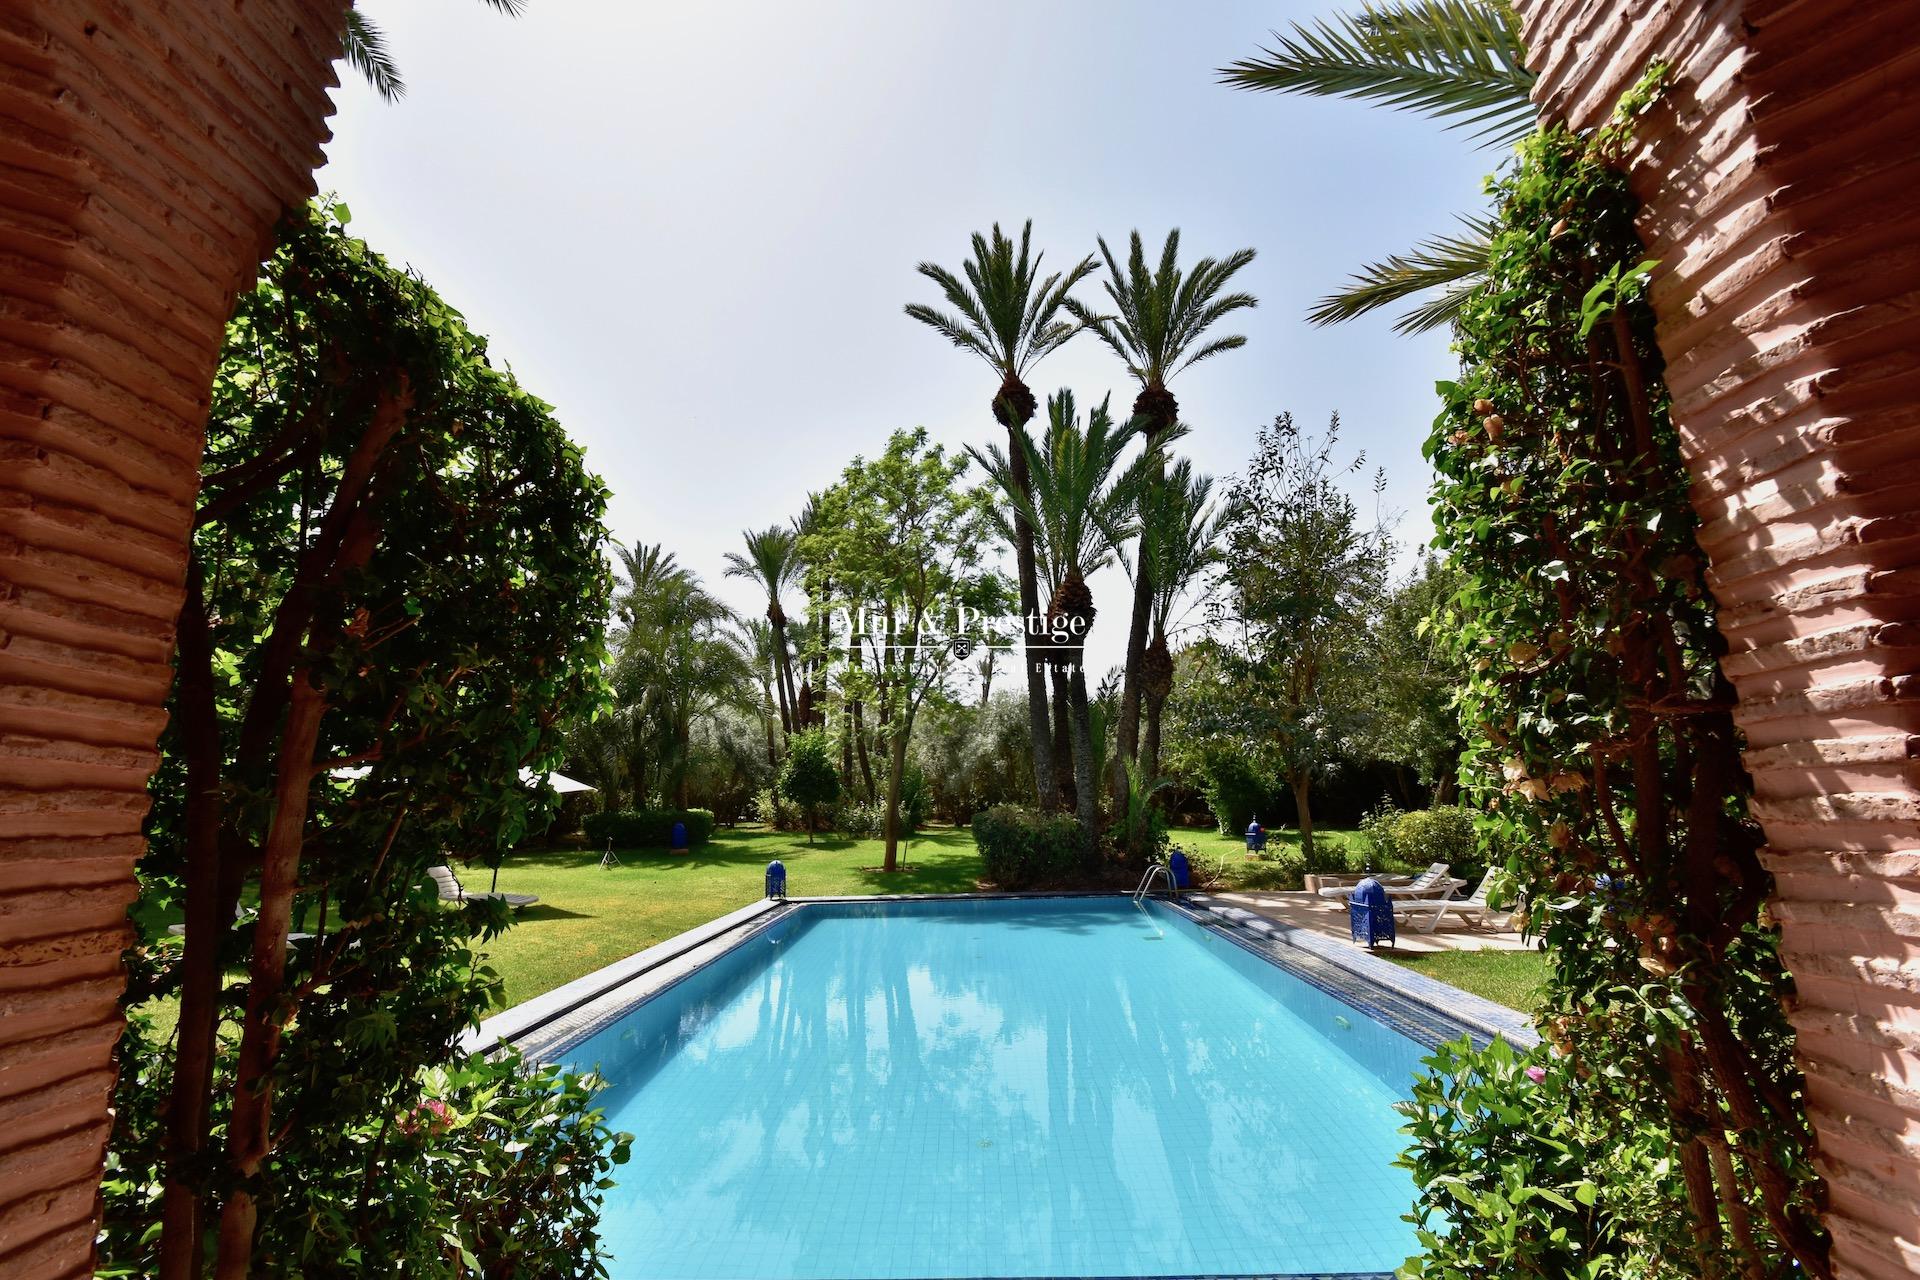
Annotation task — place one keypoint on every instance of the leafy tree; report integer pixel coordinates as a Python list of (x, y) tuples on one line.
[(1413, 721), (1457, 60), (1078, 501), (1300, 580), (395, 567), (1010, 316), (902, 540), (1160, 326), (807, 777), (773, 562)]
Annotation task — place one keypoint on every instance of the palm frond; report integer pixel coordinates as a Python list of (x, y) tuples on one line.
[(1160, 312), (1460, 61), (1452, 263), (364, 47)]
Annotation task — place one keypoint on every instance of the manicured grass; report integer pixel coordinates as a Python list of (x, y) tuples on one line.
[(588, 917), (1511, 978)]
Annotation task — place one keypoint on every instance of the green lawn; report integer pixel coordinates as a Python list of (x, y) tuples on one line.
[(1511, 978), (588, 917)]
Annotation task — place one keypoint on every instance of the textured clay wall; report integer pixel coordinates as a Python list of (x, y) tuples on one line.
[(1782, 189), (146, 149)]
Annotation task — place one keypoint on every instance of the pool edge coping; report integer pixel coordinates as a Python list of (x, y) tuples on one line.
[(1424, 1009)]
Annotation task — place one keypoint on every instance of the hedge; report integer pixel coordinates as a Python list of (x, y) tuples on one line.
[(1025, 849), (647, 828)]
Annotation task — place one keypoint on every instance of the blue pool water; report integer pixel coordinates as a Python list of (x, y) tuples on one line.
[(1035, 1088)]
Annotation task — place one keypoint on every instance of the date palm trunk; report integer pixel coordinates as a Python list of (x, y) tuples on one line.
[(1157, 410), (1013, 408), (1085, 769), (783, 670)]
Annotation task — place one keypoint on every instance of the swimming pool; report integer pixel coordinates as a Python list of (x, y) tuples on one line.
[(976, 1087)]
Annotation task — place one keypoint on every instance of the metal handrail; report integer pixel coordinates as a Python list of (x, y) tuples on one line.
[(1146, 881)]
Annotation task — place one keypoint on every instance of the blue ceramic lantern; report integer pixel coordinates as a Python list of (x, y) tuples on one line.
[(1370, 913), (776, 879), (1256, 837), (1181, 871)]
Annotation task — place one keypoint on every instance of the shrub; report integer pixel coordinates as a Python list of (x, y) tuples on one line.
[(1444, 834), (1393, 840), (1234, 790), (647, 828), (1517, 1177), (1025, 849), (807, 778), (480, 1167), (857, 820)]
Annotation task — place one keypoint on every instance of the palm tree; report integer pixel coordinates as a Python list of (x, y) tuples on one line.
[(1160, 327), (773, 561), (1009, 315), (1179, 538), (1079, 502), (1460, 61), (364, 47), (759, 645), (677, 655)]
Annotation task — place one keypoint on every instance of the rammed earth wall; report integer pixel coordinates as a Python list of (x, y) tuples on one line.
[(146, 149), (1781, 181)]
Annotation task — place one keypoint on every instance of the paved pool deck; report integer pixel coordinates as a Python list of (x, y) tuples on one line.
[(1328, 919)]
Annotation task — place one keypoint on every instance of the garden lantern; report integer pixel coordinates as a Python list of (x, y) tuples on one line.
[(1370, 914)]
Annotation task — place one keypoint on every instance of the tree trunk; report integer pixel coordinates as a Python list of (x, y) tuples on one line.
[(249, 1127), (1138, 622), (1150, 746), (860, 744), (783, 671), (1161, 411), (1303, 811), (1062, 739), (1085, 768), (190, 1100), (896, 775), (1038, 728)]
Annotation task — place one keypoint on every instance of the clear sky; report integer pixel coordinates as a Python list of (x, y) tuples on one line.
[(692, 227)]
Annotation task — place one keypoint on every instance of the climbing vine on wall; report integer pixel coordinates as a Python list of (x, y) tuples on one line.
[(1603, 744)]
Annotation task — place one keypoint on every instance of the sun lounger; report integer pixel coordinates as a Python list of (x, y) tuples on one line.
[(1474, 910), (1431, 883), (451, 890)]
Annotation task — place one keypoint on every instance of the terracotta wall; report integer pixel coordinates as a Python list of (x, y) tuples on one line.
[(1782, 187), (146, 149)]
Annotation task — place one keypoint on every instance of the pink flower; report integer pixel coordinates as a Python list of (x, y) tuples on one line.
[(1536, 1074)]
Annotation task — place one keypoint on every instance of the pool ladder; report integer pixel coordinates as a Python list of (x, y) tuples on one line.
[(1157, 871)]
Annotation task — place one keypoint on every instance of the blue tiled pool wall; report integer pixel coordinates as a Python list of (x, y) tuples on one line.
[(641, 1036), (1392, 1058)]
